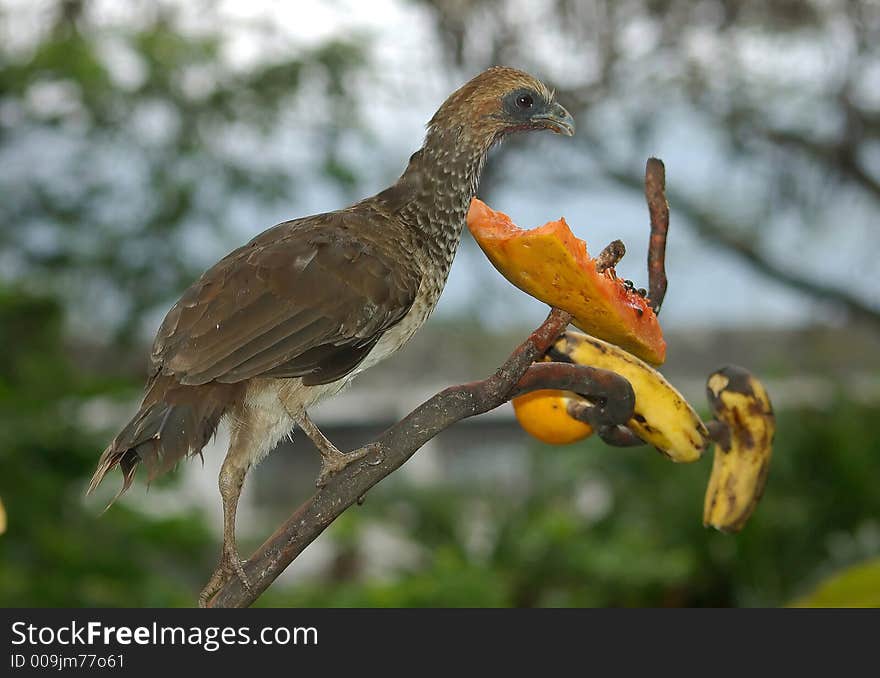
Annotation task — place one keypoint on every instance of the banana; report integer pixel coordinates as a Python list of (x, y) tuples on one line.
[(662, 417), (742, 451)]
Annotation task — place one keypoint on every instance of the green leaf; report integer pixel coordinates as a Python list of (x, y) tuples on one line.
[(856, 586)]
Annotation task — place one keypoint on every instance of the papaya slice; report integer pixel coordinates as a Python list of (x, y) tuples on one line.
[(544, 415), (551, 264)]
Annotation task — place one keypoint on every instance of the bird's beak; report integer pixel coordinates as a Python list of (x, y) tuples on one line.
[(556, 119)]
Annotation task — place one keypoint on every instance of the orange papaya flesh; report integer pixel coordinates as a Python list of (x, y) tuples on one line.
[(544, 415), (551, 264)]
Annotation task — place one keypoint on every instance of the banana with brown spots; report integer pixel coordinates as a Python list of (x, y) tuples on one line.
[(662, 417), (744, 444)]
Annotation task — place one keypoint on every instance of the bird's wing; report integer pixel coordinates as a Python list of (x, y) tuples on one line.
[(306, 299)]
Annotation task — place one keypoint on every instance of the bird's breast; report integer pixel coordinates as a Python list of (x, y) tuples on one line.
[(435, 240), (402, 332)]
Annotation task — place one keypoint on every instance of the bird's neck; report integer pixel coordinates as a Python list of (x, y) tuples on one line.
[(434, 193)]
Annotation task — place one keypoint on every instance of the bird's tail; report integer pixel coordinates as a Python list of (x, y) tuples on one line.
[(174, 422)]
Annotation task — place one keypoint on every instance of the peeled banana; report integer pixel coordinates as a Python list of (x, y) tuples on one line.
[(662, 417), (744, 444)]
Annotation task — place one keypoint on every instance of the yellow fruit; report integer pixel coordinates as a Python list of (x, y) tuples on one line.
[(662, 417), (742, 453), (544, 415)]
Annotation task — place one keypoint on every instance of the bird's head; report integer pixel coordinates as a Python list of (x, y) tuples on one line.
[(499, 101)]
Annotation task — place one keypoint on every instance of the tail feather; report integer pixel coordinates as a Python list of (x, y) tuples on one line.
[(174, 422)]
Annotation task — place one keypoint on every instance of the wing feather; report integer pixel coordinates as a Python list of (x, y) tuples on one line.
[(310, 297)]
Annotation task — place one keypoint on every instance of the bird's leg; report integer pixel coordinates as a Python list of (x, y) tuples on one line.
[(232, 475), (332, 460)]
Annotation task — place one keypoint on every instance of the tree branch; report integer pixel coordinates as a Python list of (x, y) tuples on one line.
[(841, 156), (612, 399), (658, 208), (715, 229)]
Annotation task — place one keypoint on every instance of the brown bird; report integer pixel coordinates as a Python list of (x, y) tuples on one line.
[(292, 316)]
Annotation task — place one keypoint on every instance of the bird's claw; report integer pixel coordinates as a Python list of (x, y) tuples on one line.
[(334, 461), (230, 566)]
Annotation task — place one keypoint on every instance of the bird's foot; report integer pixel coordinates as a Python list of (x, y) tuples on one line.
[(333, 461), (230, 566)]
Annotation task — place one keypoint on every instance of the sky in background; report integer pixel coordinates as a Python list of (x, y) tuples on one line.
[(707, 288)]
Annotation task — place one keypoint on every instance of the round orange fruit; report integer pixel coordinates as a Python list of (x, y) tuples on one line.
[(544, 415)]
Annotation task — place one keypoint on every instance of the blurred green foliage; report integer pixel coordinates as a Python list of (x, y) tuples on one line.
[(122, 135), (121, 138), (855, 586), (593, 526), (57, 550), (642, 543)]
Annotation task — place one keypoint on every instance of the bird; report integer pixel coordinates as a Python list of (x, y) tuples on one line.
[(288, 319)]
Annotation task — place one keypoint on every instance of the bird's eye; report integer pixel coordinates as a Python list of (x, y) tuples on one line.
[(524, 101)]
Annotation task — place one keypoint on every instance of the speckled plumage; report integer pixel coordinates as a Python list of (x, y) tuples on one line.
[(290, 317)]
